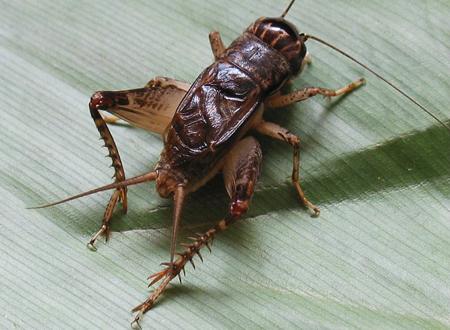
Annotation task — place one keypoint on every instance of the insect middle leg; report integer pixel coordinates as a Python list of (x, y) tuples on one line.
[(217, 45), (277, 132), (101, 101), (278, 101), (241, 171)]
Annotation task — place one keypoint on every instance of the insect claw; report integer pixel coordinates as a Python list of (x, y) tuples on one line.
[(316, 212), (91, 246), (184, 271), (103, 230), (179, 277), (135, 323), (192, 263)]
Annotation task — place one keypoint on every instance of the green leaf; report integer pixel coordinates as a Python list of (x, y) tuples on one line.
[(378, 257)]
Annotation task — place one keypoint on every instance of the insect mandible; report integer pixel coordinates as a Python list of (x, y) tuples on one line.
[(209, 126)]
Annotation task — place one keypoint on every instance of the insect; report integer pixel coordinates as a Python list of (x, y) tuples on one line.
[(209, 127)]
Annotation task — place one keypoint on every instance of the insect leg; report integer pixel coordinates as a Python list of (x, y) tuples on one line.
[(100, 101), (217, 45), (241, 171), (277, 132), (279, 101)]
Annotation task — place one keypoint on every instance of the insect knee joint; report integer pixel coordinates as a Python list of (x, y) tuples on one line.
[(241, 199), (294, 141), (238, 208), (101, 101)]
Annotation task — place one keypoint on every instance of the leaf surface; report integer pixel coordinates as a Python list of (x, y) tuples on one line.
[(378, 257)]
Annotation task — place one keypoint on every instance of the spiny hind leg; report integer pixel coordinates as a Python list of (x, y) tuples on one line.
[(100, 101), (241, 171), (277, 132), (217, 45), (279, 101)]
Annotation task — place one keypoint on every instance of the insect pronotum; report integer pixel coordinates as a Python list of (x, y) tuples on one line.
[(209, 126)]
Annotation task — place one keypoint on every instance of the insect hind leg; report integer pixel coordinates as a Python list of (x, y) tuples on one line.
[(101, 101), (241, 171)]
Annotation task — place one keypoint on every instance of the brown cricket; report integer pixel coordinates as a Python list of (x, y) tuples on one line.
[(209, 127)]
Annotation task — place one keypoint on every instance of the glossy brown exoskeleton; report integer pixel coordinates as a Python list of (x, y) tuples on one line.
[(209, 127)]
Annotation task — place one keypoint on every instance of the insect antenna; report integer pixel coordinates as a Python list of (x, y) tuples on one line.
[(306, 37), (151, 176), (287, 9)]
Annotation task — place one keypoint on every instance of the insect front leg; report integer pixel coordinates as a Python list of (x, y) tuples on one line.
[(241, 171), (277, 132), (101, 101), (279, 101), (217, 45)]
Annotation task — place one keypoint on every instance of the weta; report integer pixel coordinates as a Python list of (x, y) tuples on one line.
[(209, 127)]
